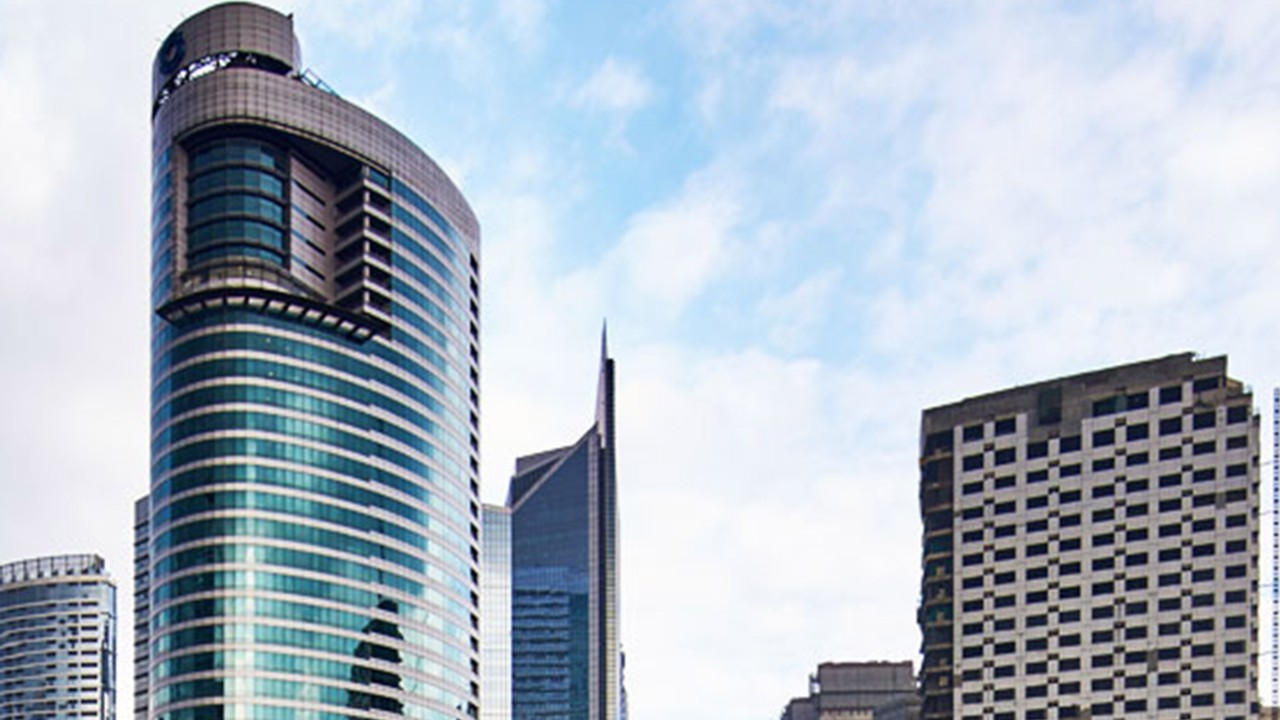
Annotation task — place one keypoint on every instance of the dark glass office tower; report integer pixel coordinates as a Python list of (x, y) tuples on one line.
[(312, 531), (57, 639), (564, 575)]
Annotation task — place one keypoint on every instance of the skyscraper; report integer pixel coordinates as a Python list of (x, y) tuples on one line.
[(141, 606), (1090, 547), (314, 508), (57, 639), (495, 613), (565, 652)]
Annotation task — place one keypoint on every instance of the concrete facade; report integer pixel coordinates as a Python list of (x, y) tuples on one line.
[(1090, 547), (852, 690)]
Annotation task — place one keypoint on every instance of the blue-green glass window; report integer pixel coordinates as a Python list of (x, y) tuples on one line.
[(236, 251), (237, 178), (236, 204), (303, 507), (238, 151), (223, 232), (301, 612)]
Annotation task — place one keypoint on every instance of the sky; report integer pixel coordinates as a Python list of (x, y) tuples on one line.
[(804, 220)]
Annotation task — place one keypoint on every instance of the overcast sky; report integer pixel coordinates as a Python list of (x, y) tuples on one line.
[(805, 221)]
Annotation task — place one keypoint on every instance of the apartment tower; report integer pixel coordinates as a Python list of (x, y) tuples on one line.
[(565, 652), (57, 639), (312, 531), (1090, 547)]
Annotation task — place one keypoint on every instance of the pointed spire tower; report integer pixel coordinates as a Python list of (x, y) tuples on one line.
[(564, 573)]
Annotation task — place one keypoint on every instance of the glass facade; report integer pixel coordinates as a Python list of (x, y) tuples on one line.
[(310, 544), (565, 654), (495, 614), (57, 639)]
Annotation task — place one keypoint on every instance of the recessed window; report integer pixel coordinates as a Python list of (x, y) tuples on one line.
[(1102, 438), (1237, 414), (972, 432), (1171, 394), (1203, 420), (1037, 449), (1137, 432), (1171, 426), (1069, 444), (1205, 383), (1006, 426)]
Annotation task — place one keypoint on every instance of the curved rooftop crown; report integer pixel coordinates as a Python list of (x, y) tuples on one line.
[(235, 27), (51, 567)]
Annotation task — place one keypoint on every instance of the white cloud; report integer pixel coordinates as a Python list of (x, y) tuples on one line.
[(670, 253), (616, 86), (796, 316), (385, 25), (524, 22)]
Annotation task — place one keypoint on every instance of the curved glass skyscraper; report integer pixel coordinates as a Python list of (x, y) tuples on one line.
[(57, 639), (312, 543)]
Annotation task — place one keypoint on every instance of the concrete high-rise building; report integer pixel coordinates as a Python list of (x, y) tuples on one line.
[(852, 690), (1090, 547), (314, 516), (565, 652), (57, 639)]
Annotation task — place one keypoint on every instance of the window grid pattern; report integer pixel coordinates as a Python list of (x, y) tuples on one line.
[(1113, 572)]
